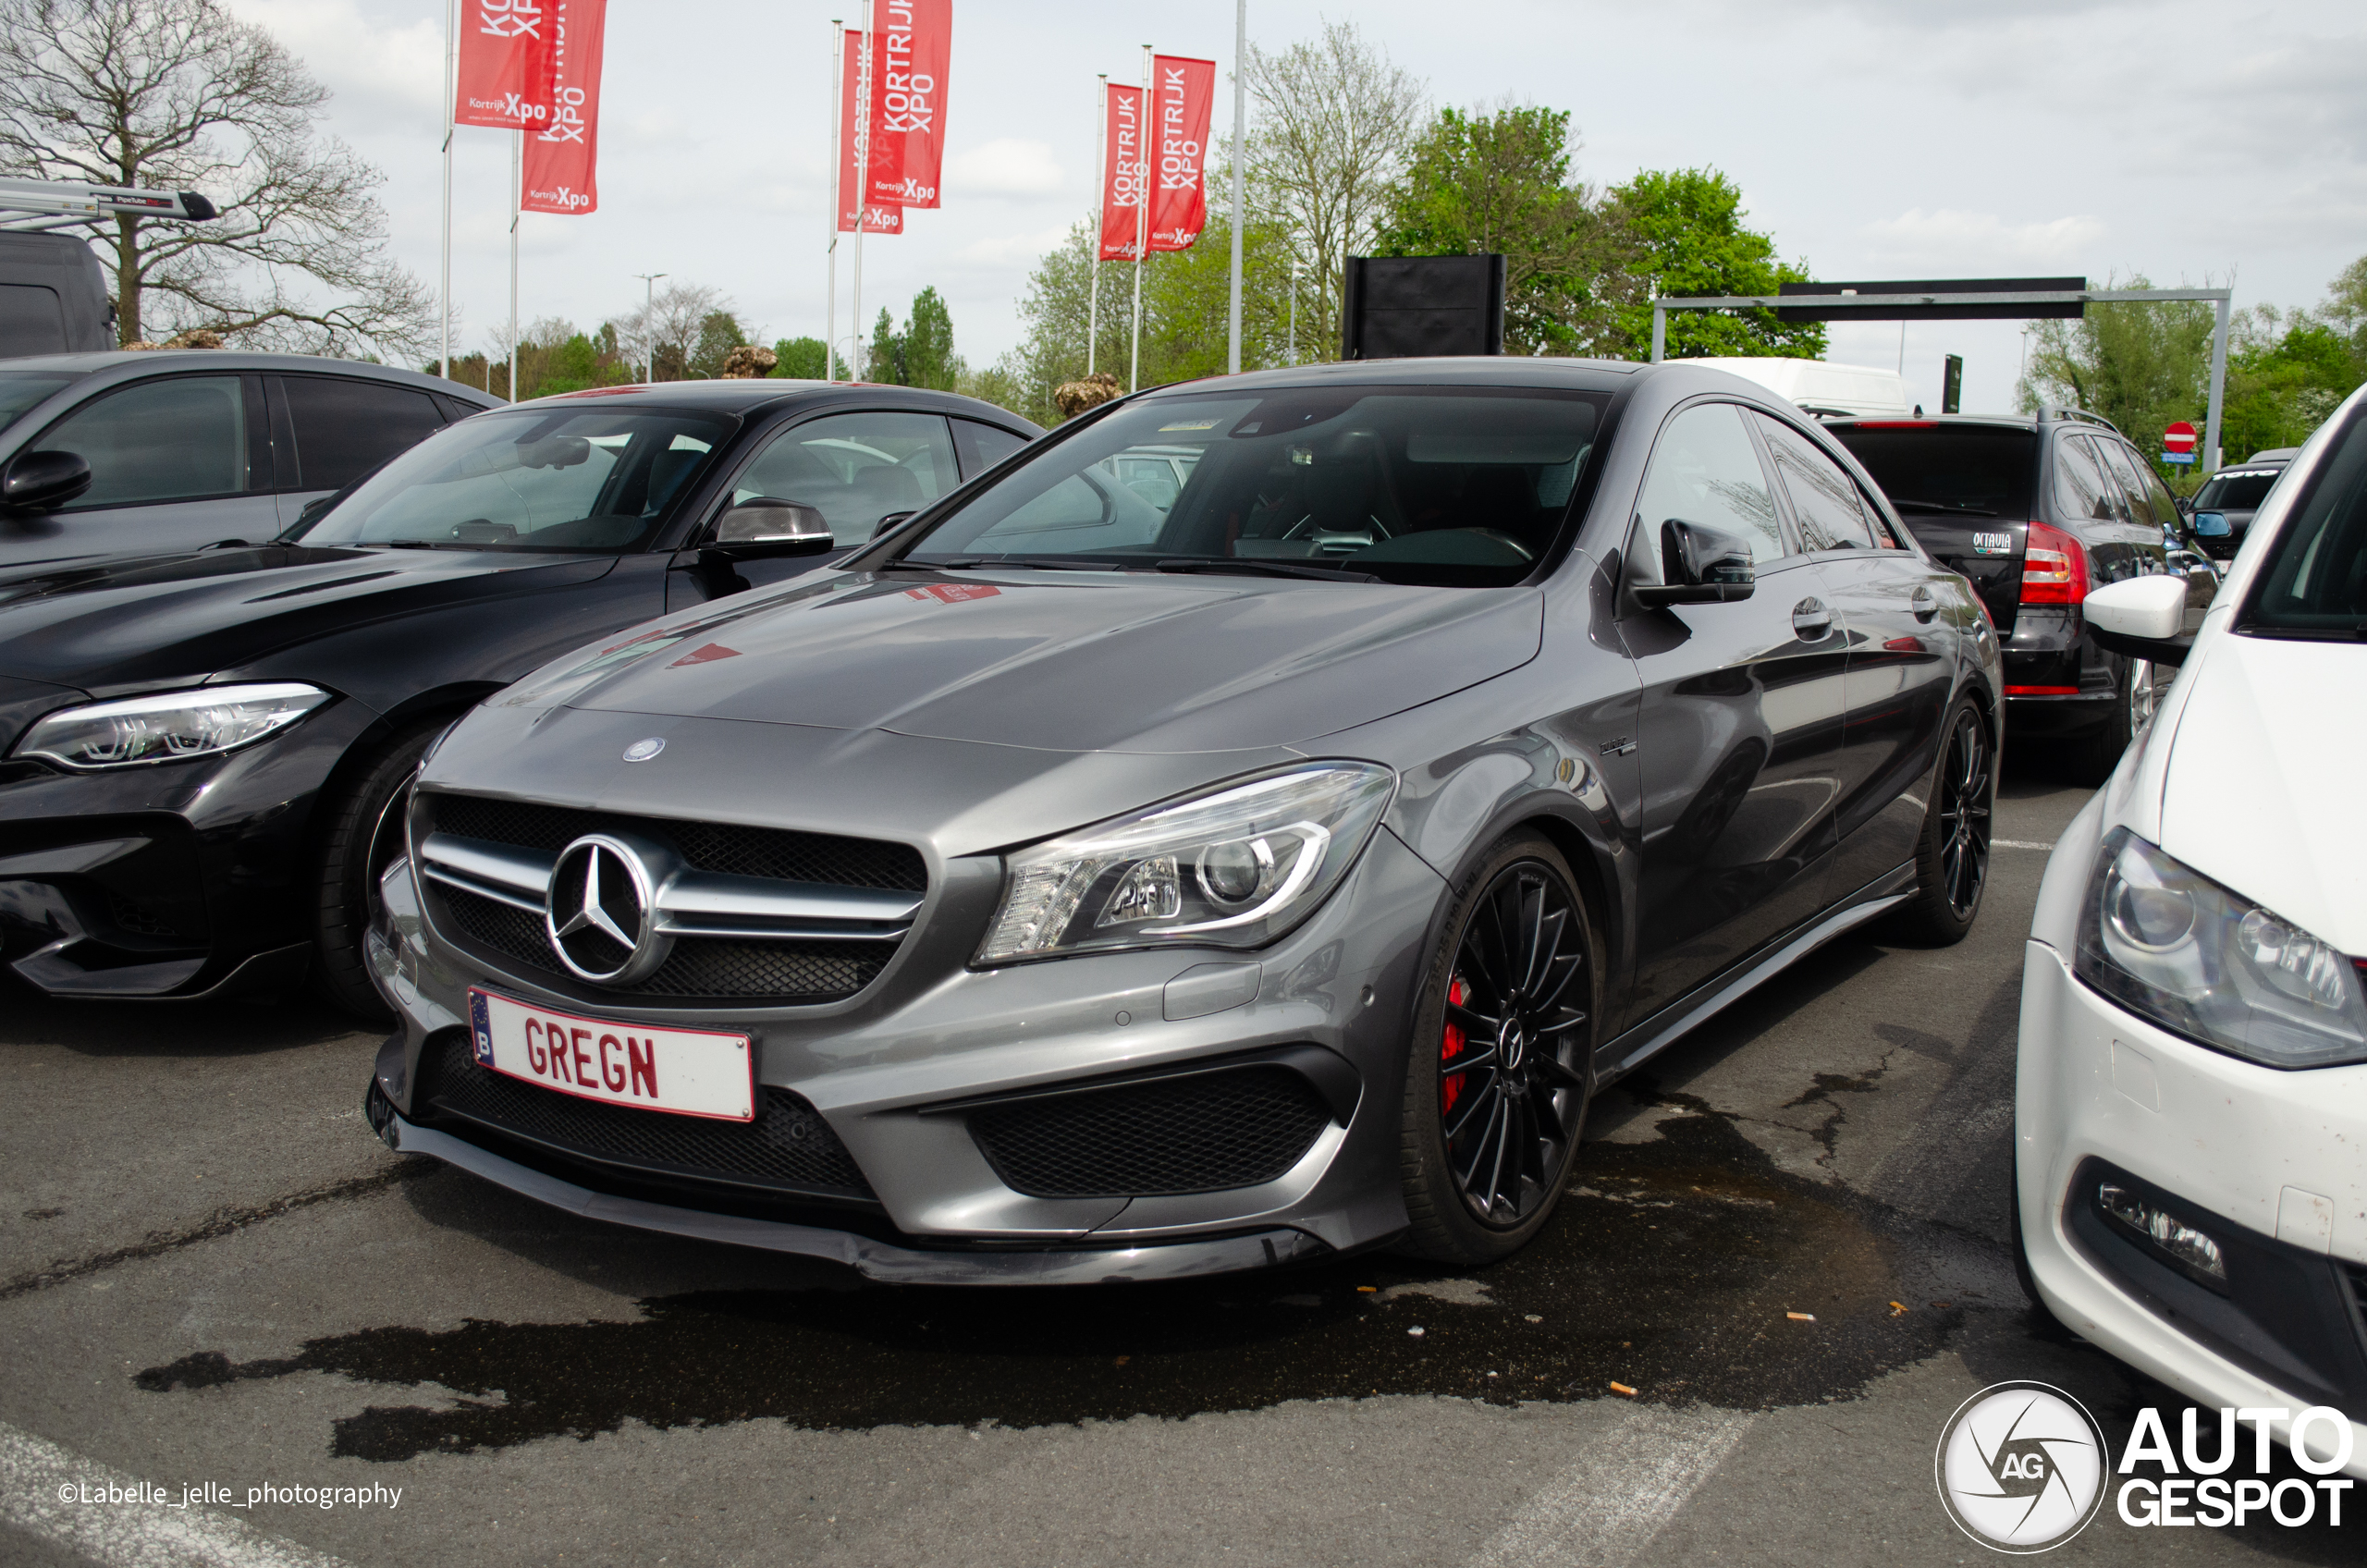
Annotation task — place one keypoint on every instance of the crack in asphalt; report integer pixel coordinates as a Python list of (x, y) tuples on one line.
[(223, 1222), (1828, 1136)]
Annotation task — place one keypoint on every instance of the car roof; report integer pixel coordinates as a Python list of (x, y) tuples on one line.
[(1473, 370), (133, 361), (744, 396)]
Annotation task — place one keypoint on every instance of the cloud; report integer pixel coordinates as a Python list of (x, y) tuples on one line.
[(1003, 252), (377, 72), (1966, 243), (1006, 166)]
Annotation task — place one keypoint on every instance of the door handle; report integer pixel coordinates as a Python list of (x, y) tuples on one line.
[(1812, 620), (1923, 602)]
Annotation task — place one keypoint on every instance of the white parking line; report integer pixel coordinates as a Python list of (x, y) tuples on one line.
[(1607, 1508), (131, 1534), (2018, 844)]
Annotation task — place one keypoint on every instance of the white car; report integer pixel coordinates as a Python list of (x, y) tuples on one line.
[(2191, 1127)]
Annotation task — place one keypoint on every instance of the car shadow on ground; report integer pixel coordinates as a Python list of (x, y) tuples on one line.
[(248, 1025)]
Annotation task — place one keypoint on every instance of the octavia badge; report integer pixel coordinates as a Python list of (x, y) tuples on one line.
[(601, 914)]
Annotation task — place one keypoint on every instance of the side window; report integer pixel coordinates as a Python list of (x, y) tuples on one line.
[(855, 469), (1825, 502), (2084, 492), (983, 446), (340, 430), (1706, 471), (2141, 486), (171, 440)]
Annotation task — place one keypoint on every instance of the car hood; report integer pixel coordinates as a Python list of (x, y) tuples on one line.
[(124, 624), (2261, 788), (1063, 661)]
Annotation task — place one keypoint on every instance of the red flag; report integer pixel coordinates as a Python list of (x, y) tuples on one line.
[(880, 217), (908, 100), (562, 157), (501, 64), (1121, 175), (1183, 93)]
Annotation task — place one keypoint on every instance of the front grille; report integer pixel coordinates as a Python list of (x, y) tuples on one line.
[(714, 968), (788, 1147), (722, 847), (711, 970), (1203, 1133)]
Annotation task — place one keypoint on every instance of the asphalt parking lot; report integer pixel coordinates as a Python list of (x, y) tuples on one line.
[(211, 1275)]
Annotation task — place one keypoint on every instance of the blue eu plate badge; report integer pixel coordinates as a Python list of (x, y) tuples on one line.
[(481, 1028)]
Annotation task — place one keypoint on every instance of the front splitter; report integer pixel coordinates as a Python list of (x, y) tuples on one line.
[(874, 1260)]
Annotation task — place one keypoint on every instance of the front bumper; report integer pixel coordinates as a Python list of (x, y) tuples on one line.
[(902, 1073), (177, 879), (2267, 1161)]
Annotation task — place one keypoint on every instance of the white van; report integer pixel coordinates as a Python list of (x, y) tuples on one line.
[(1822, 389)]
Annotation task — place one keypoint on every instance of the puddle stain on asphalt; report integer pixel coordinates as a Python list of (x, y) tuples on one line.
[(1669, 1268)]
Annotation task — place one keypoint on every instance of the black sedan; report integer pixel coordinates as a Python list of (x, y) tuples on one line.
[(202, 754)]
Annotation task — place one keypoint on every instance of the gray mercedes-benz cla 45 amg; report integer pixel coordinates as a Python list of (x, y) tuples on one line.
[(1246, 826)]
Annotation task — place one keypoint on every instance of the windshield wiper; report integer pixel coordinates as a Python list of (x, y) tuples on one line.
[(422, 544), (1943, 507), (1242, 567), (974, 563)]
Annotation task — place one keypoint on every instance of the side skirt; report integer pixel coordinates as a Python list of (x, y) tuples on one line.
[(1638, 1044)]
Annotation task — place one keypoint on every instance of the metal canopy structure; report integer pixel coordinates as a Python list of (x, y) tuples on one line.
[(1941, 302)]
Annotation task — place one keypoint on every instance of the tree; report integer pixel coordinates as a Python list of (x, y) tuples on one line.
[(1335, 120), (2285, 373), (2140, 364), (719, 332), (179, 95), (1687, 230), (921, 354), (664, 334), (799, 358), (1480, 182)]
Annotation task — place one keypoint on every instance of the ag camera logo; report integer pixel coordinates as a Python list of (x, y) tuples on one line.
[(2022, 1467)]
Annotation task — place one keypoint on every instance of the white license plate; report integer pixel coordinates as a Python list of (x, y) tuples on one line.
[(688, 1072)]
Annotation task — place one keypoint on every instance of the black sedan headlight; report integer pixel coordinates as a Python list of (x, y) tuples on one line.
[(169, 725), (1235, 867), (2171, 945)]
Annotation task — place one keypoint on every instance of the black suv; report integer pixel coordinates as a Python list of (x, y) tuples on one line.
[(2235, 493), (2036, 511)]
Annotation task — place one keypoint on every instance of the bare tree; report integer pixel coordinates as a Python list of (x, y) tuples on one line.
[(1335, 120), (179, 95), (663, 335)]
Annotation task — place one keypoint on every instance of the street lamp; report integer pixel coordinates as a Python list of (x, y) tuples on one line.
[(648, 324)]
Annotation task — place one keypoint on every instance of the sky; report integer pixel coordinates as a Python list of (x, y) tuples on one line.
[(2192, 144)]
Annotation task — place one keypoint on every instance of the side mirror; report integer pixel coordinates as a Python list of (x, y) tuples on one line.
[(2212, 525), (763, 526), (2141, 617), (1700, 566), (40, 482)]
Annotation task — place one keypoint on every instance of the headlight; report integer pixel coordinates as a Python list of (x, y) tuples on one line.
[(1236, 867), (175, 724), (2169, 943)]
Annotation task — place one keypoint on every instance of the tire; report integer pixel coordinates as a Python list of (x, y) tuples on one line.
[(1487, 1148), (361, 837), (2134, 692), (1952, 852)]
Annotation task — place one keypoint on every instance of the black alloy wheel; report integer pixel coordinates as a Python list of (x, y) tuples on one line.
[(1952, 857), (1499, 1072), (363, 837)]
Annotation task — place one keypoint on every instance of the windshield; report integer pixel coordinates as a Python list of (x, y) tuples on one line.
[(1978, 470), (602, 480), (2235, 490), (2314, 582), (1460, 486), (20, 389)]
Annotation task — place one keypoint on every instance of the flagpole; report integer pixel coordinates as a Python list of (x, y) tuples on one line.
[(1240, 119), (1100, 184), (516, 204), (858, 370), (444, 286), (1142, 218), (837, 172)]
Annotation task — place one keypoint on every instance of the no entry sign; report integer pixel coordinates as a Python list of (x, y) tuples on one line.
[(2177, 443)]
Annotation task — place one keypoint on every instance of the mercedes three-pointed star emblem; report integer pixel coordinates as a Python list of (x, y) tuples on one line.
[(598, 911)]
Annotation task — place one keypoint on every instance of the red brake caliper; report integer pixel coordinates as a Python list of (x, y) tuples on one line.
[(1451, 1046)]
